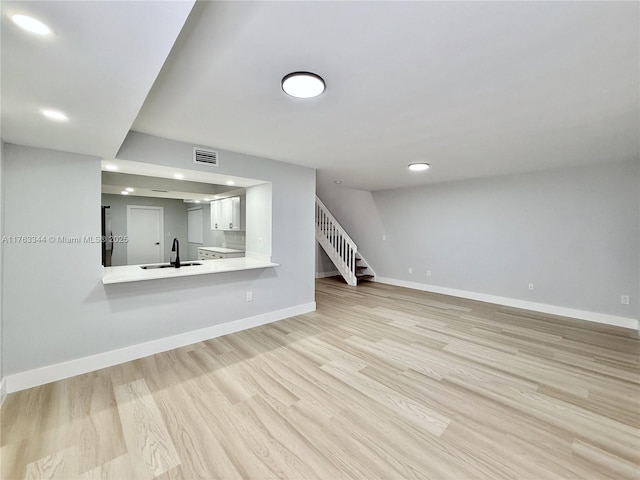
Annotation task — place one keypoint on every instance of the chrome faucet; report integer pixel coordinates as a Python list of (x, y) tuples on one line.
[(176, 248)]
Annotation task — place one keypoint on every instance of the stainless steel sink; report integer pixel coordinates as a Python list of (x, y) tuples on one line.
[(167, 265)]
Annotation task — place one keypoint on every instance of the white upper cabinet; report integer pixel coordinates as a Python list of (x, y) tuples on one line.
[(225, 214)]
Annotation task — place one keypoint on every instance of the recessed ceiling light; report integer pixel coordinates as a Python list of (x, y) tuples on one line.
[(110, 167), (207, 199), (230, 182), (129, 189), (124, 192), (419, 167), (56, 115), (179, 176), (303, 85), (30, 24), (197, 201), (337, 182)]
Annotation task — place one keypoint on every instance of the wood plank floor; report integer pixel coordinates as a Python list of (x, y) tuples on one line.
[(380, 383)]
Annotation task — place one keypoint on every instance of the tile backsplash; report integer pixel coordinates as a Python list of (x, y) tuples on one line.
[(234, 239)]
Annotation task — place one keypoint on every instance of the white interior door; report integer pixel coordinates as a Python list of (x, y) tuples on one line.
[(145, 229)]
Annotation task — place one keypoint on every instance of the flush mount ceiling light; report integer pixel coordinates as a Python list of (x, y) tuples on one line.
[(303, 84), (418, 167), (129, 189), (56, 115), (31, 25), (124, 192)]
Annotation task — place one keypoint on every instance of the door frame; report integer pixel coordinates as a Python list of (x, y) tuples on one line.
[(146, 207)]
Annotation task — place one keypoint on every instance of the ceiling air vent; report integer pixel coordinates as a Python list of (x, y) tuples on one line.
[(205, 157)]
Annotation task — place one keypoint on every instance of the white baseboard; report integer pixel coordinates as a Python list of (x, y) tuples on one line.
[(333, 273), (616, 321), (71, 368)]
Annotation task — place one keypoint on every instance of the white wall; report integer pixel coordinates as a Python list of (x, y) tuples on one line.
[(58, 310), (573, 233), (259, 213)]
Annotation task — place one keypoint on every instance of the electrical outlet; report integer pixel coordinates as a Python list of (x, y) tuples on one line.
[(428, 273), (410, 270), (624, 299), (260, 241), (531, 286), (249, 296)]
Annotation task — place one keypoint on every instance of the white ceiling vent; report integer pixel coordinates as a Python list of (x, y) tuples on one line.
[(205, 157)]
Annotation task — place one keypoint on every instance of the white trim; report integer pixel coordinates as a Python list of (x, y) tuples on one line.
[(513, 302), (71, 368), (3, 391), (333, 273)]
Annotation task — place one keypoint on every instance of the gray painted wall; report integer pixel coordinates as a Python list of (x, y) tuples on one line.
[(56, 307), (175, 223), (1, 261), (324, 265), (573, 233)]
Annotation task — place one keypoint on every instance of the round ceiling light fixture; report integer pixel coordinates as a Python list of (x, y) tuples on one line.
[(55, 115), (30, 24), (418, 167), (303, 84)]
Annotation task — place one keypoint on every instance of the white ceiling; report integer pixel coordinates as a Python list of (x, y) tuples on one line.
[(97, 67), (473, 88)]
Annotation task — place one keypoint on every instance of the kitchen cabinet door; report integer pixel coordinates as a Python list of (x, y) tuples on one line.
[(225, 214), (216, 215), (234, 213)]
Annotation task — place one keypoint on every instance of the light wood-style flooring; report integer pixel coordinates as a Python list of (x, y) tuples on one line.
[(380, 383)]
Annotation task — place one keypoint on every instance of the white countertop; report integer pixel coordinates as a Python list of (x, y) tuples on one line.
[(221, 250), (133, 273)]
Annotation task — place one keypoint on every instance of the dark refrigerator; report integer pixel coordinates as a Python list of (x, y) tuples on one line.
[(107, 236)]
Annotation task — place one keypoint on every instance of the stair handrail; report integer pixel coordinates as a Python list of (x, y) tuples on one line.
[(339, 246), (335, 222)]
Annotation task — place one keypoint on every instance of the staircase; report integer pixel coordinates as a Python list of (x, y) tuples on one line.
[(339, 247)]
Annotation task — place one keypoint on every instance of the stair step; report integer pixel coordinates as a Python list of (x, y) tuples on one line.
[(360, 278)]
